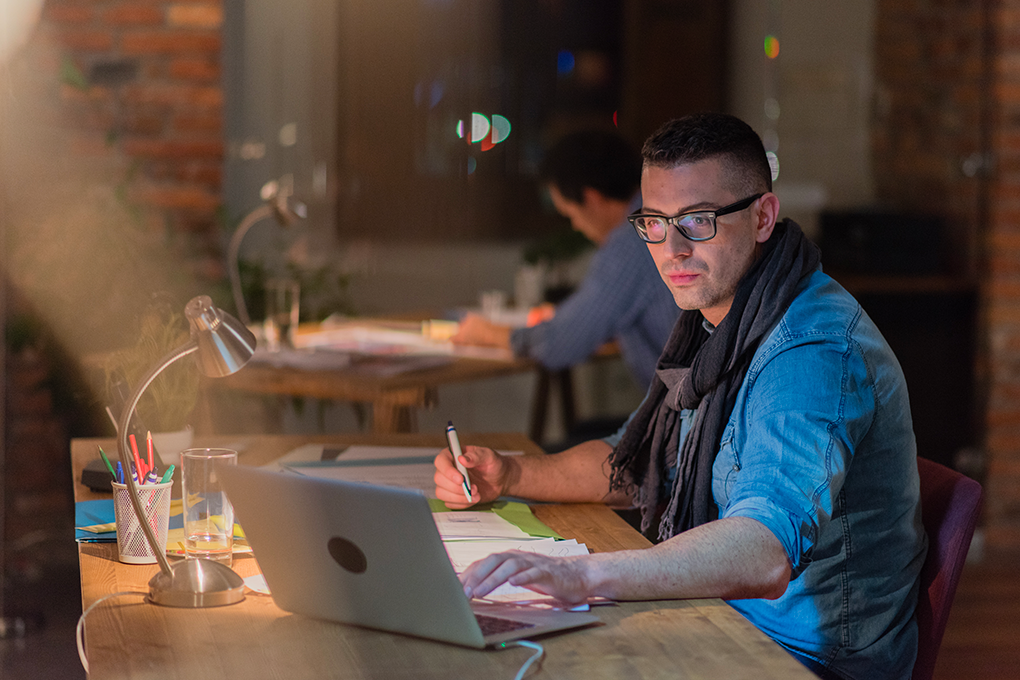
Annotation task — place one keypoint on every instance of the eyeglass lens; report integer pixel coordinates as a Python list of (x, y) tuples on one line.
[(695, 226)]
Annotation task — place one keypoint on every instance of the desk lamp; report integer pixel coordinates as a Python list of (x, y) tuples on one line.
[(223, 345), (277, 202)]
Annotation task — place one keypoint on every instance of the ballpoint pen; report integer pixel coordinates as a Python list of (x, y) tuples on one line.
[(454, 442), (120, 473)]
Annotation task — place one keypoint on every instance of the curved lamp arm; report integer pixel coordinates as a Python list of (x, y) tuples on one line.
[(259, 213), (126, 459), (278, 204)]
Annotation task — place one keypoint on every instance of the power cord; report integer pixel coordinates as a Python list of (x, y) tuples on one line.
[(539, 652), (79, 631)]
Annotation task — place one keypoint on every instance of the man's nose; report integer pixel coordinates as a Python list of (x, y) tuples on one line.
[(676, 244)]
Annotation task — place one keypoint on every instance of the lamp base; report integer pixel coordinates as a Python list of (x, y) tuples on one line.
[(195, 584)]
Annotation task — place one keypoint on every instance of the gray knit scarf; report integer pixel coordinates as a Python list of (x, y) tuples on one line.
[(704, 371)]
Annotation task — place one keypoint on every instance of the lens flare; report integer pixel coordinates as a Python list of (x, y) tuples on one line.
[(500, 128), (771, 46), (480, 127)]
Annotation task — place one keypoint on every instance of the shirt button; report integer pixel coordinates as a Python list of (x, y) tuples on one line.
[(736, 468)]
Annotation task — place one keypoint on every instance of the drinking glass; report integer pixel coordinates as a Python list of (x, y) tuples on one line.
[(282, 312), (208, 515)]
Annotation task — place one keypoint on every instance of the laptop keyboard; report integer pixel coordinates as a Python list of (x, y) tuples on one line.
[(493, 625)]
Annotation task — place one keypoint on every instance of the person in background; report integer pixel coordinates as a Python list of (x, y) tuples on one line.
[(593, 179), (774, 455)]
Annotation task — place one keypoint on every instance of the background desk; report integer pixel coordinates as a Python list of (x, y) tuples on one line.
[(393, 398), (396, 398), (127, 638)]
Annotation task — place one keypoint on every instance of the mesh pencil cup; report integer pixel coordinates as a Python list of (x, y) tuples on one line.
[(132, 546)]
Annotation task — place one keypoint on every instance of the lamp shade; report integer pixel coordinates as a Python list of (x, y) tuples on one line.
[(224, 343)]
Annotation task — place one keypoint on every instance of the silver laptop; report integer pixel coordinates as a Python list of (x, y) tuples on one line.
[(370, 556)]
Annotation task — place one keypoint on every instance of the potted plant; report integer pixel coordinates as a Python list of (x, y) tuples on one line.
[(166, 407)]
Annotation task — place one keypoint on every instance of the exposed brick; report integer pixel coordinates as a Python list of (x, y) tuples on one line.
[(205, 173), (67, 13), (175, 94), (170, 42), (186, 198), (142, 124), (84, 39), (195, 69), (134, 14), (160, 148), (198, 123), (195, 15)]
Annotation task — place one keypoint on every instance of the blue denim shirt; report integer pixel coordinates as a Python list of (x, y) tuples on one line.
[(820, 449)]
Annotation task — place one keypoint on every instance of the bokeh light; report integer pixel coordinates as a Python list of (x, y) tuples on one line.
[(774, 164), (500, 128), (484, 132), (480, 127), (565, 62), (771, 46)]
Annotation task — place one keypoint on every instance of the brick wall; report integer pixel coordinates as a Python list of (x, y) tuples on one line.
[(130, 90), (1002, 284), (140, 86), (947, 138)]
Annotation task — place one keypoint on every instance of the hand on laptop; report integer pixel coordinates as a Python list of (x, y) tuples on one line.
[(564, 578), (487, 469)]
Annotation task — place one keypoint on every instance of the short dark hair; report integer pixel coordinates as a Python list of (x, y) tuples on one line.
[(599, 159), (709, 135)]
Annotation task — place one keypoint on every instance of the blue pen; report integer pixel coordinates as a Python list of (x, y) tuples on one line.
[(454, 441), (120, 473)]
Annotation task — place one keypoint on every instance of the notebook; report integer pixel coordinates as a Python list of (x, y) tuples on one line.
[(370, 556)]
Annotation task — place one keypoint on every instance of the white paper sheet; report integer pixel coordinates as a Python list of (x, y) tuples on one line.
[(467, 524)]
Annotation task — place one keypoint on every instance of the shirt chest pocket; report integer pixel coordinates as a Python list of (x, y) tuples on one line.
[(726, 469)]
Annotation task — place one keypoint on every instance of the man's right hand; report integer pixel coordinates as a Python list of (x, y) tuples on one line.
[(477, 330), (488, 471)]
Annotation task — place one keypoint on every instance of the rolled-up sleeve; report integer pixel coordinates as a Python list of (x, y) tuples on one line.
[(806, 407)]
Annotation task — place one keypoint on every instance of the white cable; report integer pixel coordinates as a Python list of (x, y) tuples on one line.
[(532, 659), (79, 631)]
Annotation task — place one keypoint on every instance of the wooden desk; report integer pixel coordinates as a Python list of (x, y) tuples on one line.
[(127, 638)]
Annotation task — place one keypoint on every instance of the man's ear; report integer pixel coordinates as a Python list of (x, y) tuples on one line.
[(767, 214), (591, 197)]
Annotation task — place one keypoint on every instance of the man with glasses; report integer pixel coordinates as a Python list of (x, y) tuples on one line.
[(593, 178), (773, 457)]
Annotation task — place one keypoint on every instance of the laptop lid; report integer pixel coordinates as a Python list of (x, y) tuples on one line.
[(365, 555)]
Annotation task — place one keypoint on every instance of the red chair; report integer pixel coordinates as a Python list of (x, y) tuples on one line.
[(949, 511)]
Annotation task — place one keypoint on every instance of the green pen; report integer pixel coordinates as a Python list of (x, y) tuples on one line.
[(167, 475), (107, 461)]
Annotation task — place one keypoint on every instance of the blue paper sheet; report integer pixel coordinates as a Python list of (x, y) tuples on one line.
[(88, 513)]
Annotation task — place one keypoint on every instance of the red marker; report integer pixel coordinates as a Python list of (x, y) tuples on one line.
[(138, 460)]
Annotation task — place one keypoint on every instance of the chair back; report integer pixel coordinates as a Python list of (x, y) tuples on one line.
[(950, 503)]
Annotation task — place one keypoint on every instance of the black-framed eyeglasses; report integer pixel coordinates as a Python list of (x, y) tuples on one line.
[(696, 225)]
